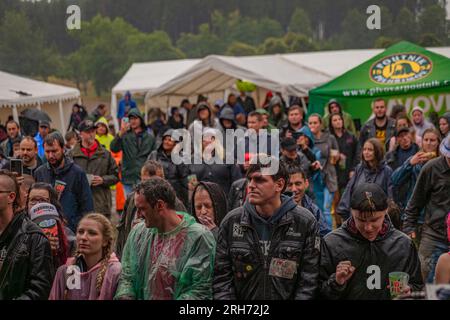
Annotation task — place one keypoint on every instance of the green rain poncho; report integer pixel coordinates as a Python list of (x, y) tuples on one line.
[(177, 265)]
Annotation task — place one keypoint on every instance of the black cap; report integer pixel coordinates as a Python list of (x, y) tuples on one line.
[(44, 123), (86, 125), (402, 130), (289, 144), (369, 195)]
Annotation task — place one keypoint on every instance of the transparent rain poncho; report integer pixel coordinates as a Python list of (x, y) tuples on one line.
[(175, 265)]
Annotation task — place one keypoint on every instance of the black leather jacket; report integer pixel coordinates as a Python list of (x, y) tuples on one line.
[(27, 271), (242, 271)]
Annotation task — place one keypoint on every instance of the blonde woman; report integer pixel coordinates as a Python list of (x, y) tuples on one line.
[(93, 274)]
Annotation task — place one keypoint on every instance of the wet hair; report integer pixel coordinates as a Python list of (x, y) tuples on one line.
[(296, 169), (295, 107), (378, 150), (108, 235), (12, 121), (330, 121), (318, 117), (151, 167), (13, 186), (397, 110), (156, 189), (70, 135), (54, 136), (255, 114), (282, 172)]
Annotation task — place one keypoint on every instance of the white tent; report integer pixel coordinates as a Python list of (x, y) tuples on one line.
[(216, 74), (144, 77), (336, 62), (20, 93), (292, 74)]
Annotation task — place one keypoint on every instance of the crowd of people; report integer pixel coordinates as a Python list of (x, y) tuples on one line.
[(345, 206)]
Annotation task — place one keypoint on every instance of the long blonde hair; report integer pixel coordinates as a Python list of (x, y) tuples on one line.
[(108, 234)]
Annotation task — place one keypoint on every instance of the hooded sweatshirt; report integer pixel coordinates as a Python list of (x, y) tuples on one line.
[(219, 201), (136, 148), (265, 226), (88, 282), (71, 183), (106, 139), (125, 107)]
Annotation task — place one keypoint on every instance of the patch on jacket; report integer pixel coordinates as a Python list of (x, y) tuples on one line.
[(291, 233), (238, 232), (317, 243)]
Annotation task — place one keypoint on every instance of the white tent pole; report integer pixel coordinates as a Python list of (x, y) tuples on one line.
[(15, 114), (61, 117), (302, 99), (145, 112), (113, 109)]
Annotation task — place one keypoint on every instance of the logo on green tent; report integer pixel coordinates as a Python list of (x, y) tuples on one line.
[(400, 68)]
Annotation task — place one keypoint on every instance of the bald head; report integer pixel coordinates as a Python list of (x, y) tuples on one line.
[(7, 183)]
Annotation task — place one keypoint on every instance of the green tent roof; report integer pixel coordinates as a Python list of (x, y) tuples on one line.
[(401, 69), (393, 71)]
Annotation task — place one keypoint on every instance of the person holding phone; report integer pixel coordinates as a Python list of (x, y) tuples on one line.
[(136, 144)]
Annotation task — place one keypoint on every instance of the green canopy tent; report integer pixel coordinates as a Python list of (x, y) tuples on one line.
[(404, 74)]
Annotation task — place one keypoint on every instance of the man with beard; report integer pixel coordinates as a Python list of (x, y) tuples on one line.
[(380, 127), (295, 121), (67, 178), (29, 155)]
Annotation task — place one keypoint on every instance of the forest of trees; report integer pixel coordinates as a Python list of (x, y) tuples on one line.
[(34, 40)]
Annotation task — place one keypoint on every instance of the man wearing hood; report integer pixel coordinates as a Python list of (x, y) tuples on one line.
[(68, 179), (269, 249), (204, 119), (136, 144), (176, 174), (125, 106), (98, 164), (357, 258)]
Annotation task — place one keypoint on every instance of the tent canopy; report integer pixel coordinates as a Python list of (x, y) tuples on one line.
[(399, 73), (219, 73), (142, 77), (20, 91)]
